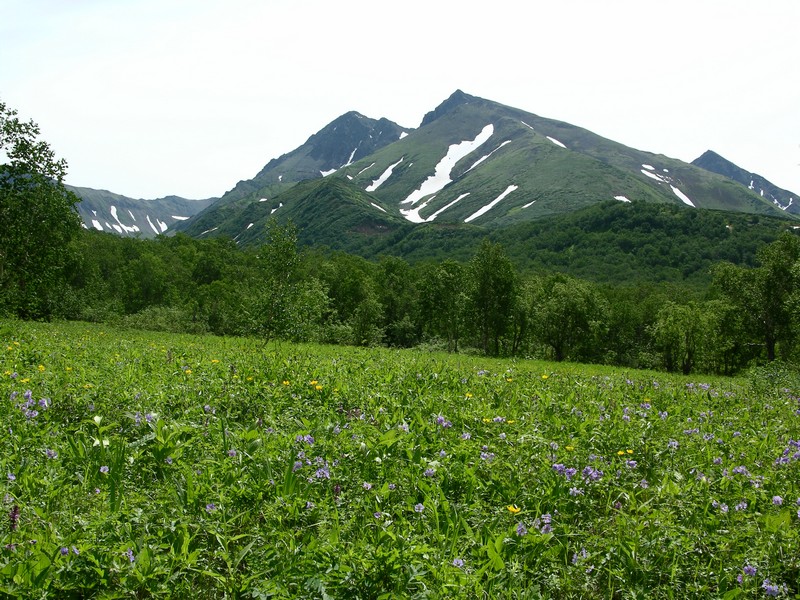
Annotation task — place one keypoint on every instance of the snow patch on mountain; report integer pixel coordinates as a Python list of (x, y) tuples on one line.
[(441, 174), (682, 196), (445, 207), (491, 204), (378, 207), (384, 176), (483, 158), (621, 198), (556, 142), (655, 176), (412, 214), (162, 227), (96, 224), (120, 227), (177, 218)]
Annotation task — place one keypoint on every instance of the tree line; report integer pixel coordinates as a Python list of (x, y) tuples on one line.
[(484, 305)]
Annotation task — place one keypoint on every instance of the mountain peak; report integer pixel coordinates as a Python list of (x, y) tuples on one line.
[(456, 99)]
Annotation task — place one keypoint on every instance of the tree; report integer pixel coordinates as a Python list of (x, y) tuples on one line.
[(492, 293), (38, 219), (443, 301), (764, 294), (570, 316), (679, 333), (279, 261)]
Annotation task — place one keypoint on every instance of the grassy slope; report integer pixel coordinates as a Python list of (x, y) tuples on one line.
[(302, 470)]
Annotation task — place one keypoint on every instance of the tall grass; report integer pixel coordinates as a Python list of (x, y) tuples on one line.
[(155, 465)]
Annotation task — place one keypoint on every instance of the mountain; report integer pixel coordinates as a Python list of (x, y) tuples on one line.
[(473, 161), (113, 213), (783, 199), (348, 138)]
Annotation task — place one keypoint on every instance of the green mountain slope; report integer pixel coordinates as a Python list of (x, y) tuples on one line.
[(334, 213), (474, 160), (347, 138)]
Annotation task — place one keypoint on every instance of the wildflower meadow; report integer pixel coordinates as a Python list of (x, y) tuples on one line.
[(143, 465)]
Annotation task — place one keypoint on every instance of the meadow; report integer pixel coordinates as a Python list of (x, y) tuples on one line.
[(144, 465)]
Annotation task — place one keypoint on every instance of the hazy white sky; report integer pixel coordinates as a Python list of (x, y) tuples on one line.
[(148, 98)]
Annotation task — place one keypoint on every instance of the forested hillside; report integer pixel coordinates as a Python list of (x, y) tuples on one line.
[(736, 313)]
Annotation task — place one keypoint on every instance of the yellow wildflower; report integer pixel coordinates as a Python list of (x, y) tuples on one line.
[(41, 367), (570, 448), (545, 376), (285, 382), (513, 509)]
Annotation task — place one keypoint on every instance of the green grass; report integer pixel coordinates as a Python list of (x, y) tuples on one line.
[(178, 466)]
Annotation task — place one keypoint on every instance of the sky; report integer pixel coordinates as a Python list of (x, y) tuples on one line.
[(149, 98)]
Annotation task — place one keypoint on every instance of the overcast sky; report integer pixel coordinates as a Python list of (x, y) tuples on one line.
[(149, 98)]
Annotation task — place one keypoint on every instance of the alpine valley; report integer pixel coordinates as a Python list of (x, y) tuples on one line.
[(472, 166)]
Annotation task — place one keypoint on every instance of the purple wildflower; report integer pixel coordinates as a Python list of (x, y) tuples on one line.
[(458, 563), (129, 554), (211, 507), (104, 469), (430, 472), (419, 507), (521, 529), (749, 570), (770, 589), (367, 486), (777, 500)]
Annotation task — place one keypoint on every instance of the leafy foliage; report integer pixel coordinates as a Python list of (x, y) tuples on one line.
[(38, 217)]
